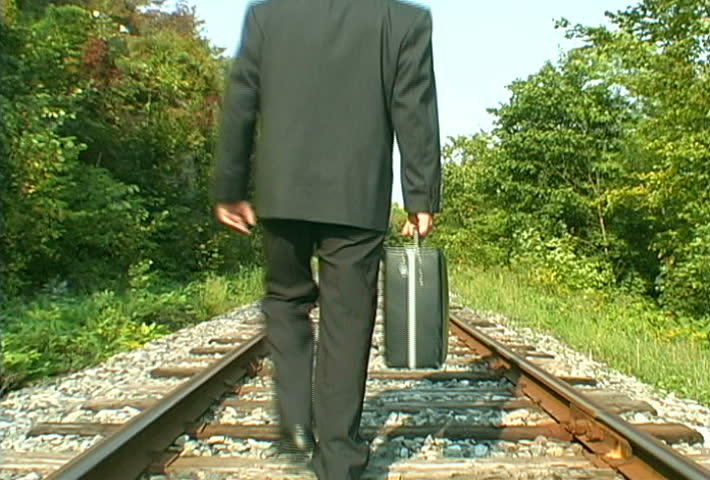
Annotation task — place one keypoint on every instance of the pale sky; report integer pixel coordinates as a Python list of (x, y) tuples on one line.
[(480, 47)]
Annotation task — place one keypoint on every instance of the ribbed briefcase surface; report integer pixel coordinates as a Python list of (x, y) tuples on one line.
[(416, 307)]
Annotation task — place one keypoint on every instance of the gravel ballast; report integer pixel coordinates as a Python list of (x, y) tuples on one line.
[(60, 399)]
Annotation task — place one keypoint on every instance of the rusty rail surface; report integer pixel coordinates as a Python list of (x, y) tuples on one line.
[(130, 450), (142, 442), (613, 441)]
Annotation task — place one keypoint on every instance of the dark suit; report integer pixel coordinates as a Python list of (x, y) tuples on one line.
[(331, 81)]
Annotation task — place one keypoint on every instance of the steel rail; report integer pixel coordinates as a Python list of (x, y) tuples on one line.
[(129, 451), (635, 454)]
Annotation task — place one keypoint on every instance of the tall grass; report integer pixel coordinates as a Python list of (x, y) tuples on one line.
[(626, 332), (57, 333), (218, 294)]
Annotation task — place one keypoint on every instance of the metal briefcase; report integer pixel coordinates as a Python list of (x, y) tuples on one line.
[(416, 296)]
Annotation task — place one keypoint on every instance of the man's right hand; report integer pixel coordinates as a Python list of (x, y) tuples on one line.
[(424, 222), (238, 216)]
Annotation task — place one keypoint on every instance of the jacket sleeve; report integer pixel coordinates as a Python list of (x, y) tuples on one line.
[(416, 120), (238, 118)]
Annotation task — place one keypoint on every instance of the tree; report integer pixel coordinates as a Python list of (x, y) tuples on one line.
[(107, 138), (660, 51)]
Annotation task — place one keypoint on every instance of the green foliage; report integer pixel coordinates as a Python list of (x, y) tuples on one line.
[(593, 179), (685, 277), (56, 333), (51, 336), (108, 123), (595, 175), (398, 217), (53, 204), (546, 172), (660, 52), (561, 262), (106, 157), (625, 331), (561, 138), (471, 228), (8, 11), (218, 294)]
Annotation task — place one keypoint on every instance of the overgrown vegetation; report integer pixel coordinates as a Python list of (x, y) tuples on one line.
[(109, 113), (56, 333), (596, 174), (593, 183), (592, 186), (620, 329), (108, 117)]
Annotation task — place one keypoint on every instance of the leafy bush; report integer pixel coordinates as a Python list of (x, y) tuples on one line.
[(106, 147), (57, 332), (55, 335), (561, 261), (685, 278), (595, 175)]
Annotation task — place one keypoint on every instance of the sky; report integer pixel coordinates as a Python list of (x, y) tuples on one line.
[(480, 47)]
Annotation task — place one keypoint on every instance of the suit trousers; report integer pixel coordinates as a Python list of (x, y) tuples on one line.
[(331, 397)]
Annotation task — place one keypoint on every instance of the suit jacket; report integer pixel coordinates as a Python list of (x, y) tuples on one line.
[(331, 82)]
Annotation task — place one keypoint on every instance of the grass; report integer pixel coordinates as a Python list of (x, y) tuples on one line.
[(218, 294), (626, 332), (54, 334)]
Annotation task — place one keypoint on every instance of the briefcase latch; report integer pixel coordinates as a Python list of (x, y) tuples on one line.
[(403, 270)]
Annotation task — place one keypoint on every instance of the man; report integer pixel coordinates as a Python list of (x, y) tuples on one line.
[(331, 81)]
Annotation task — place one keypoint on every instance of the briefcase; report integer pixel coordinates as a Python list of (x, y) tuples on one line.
[(416, 299)]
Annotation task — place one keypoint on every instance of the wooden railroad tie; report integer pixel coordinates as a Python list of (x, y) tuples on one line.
[(253, 468), (412, 469), (614, 402), (435, 375), (670, 432)]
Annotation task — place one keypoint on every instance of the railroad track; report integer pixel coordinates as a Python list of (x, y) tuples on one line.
[(492, 413)]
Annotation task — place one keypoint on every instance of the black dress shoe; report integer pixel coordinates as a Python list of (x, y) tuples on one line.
[(297, 442)]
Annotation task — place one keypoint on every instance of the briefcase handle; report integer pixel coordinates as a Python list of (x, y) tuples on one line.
[(418, 255)]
